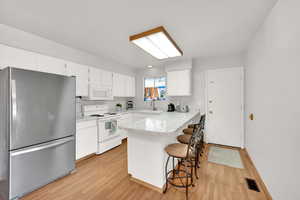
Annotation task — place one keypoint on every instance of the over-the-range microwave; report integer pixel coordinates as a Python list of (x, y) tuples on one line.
[(100, 93)]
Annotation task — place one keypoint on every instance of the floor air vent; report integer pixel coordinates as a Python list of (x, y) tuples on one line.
[(252, 185)]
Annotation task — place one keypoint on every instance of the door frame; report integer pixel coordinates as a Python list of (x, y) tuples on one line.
[(242, 71)]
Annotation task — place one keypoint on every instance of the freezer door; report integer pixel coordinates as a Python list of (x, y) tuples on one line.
[(42, 107), (36, 166)]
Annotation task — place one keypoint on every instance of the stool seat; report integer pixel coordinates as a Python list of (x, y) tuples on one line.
[(177, 150), (188, 131), (184, 139), (193, 125)]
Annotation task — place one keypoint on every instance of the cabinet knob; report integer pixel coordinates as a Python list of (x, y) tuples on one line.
[(210, 112)]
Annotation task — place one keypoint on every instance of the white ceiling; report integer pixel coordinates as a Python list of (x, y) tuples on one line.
[(200, 27)]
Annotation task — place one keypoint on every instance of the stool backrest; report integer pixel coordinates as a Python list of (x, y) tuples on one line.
[(194, 142), (202, 122)]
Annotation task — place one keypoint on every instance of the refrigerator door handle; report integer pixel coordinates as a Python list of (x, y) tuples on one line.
[(42, 147)]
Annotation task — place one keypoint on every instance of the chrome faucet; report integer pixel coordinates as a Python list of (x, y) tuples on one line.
[(153, 105)]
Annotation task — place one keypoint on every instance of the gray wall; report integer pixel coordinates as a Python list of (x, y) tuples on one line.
[(27, 41), (196, 100), (272, 94)]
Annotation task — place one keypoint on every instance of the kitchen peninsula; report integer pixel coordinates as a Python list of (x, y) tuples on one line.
[(148, 135)]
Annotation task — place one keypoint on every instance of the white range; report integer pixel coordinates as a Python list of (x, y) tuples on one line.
[(107, 125)]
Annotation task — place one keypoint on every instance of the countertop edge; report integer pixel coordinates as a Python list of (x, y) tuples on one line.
[(160, 132)]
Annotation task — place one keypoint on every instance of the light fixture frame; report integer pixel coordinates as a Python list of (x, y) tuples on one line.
[(153, 31)]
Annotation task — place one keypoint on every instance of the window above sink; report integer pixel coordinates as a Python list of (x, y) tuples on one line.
[(155, 88)]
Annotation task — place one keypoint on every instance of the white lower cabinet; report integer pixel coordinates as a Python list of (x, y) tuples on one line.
[(86, 138)]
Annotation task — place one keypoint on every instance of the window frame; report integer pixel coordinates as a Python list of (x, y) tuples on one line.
[(154, 77)]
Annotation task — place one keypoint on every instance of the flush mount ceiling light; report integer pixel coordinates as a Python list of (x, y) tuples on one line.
[(157, 42)]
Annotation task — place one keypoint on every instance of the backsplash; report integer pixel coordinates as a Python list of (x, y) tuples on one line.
[(163, 105), (111, 104)]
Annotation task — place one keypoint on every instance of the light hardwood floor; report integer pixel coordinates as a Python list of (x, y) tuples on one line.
[(105, 177)]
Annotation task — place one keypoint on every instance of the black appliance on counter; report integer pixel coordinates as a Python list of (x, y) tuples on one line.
[(129, 105), (171, 107)]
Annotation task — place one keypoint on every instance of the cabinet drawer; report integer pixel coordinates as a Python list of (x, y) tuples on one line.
[(86, 124)]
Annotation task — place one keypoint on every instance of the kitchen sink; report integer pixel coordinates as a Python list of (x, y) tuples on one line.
[(149, 111)]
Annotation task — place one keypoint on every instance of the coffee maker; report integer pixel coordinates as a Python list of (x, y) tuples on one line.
[(129, 105), (171, 107)]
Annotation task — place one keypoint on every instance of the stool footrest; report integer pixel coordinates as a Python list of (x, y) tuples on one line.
[(184, 177)]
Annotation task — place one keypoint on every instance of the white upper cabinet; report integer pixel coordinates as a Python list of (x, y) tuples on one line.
[(106, 78), (118, 88), (19, 58), (179, 83), (51, 65), (95, 83), (95, 77), (131, 86), (123, 85), (179, 79), (81, 72), (100, 84), (101, 77), (13, 57)]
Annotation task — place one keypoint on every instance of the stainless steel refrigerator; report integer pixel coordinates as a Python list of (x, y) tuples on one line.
[(37, 130)]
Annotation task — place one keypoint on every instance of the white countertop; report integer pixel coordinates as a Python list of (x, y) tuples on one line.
[(166, 122), (85, 118)]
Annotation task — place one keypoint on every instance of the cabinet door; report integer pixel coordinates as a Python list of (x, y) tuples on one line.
[(86, 140), (81, 73), (129, 86), (119, 85), (13, 57), (124, 86), (106, 78), (51, 65), (179, 83), (116, 84), (132, 87), (95, 77), (101, 78)]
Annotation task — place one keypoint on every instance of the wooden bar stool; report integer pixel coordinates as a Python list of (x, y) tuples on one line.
[(185, 139), (191, 127), (186, 153)]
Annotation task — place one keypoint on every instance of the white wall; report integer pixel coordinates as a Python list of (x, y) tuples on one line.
[(272, 94), (196, 100), (27, 41)]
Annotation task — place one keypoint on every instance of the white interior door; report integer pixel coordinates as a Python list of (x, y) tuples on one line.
[(224, 106)]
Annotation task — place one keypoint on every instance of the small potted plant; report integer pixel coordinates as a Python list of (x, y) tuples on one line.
[(119, 107)]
